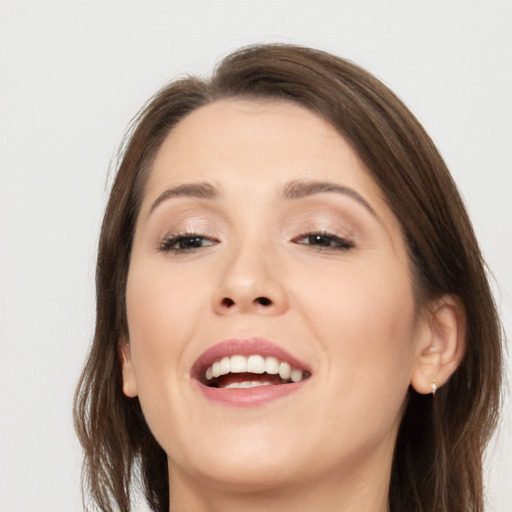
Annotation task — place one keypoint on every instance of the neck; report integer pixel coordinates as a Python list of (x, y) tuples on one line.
[(356, 492)]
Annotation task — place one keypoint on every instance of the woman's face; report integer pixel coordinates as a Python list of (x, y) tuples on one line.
[(262, 234)]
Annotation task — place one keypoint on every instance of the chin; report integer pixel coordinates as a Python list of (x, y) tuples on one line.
[(248, 462), (248, 476)]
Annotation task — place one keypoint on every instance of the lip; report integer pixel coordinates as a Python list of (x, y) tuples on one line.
[(246, 397)]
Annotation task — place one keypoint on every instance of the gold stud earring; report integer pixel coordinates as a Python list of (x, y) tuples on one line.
[(434, 387)]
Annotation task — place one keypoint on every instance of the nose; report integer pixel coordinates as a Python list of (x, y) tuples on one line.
[(250, 283)]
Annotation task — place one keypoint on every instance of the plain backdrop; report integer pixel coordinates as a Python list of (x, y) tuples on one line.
[(72, 75)]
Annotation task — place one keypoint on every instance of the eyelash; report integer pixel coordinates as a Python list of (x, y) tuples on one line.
[(336, 243), (168, 243), (329, 242)]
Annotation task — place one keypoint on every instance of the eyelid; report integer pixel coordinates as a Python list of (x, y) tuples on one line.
[(165, 243), (185, 221), (342, 242), (186, 217)]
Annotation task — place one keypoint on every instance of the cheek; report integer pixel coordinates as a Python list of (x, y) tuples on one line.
[(162, 312), (362, 319), (365, 321), (160, 301)]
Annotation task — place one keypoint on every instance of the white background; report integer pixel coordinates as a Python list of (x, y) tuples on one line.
[(72, 74)]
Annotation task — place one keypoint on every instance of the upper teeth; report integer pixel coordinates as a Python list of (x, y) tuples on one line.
[(253, 364)]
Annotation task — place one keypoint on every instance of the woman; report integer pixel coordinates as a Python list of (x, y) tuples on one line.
[(292, 309)]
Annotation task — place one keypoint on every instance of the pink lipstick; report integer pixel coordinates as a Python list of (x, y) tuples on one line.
[(248, 372)]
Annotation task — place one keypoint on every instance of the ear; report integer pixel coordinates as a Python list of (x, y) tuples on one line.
[(129, 380), (441, 344)]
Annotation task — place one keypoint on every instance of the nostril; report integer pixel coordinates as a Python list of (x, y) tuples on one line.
[(264, 301), (226, 301)]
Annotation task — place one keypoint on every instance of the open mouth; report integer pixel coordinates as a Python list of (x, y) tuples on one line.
[(248, 372), (239, 371)]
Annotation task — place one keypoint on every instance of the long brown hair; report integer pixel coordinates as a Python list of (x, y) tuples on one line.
[(437, 463)]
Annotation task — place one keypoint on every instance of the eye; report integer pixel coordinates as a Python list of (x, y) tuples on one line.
[(185, 242), (324, 241)]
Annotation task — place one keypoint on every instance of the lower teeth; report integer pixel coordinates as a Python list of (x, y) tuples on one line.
[(247, 384)]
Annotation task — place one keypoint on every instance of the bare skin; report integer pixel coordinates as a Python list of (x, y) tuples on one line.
[(253, 250)]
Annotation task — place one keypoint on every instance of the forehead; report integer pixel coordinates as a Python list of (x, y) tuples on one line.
[(250, 141)]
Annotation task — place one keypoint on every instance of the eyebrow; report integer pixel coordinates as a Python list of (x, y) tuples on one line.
[(296, 189), (201, 190), (299, 189)]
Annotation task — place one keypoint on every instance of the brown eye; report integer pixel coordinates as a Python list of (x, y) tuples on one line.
[(185, 243), (325, 240)]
